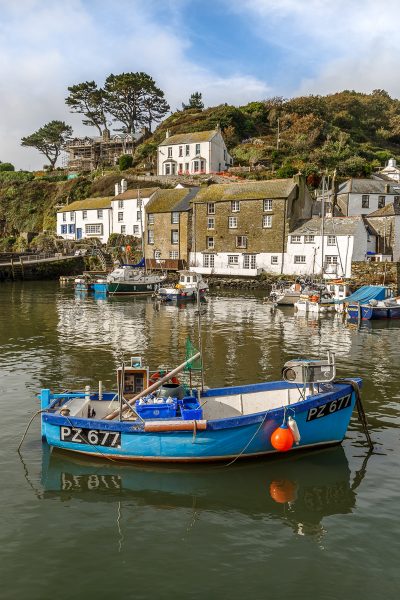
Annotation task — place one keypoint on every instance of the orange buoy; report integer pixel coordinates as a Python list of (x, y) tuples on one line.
[(282, 438), (283, 491)]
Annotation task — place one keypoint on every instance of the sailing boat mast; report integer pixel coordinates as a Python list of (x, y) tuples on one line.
[(322, 225), (139, 203)]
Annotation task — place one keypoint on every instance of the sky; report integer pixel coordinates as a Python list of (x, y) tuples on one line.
[(233, 51)]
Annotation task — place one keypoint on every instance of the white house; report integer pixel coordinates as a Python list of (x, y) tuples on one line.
[(345, 239), (90, 218), (128, 209), (391, 170), (364, 196), (193, 153)]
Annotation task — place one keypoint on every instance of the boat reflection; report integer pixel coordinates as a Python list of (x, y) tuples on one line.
[(300, 490)]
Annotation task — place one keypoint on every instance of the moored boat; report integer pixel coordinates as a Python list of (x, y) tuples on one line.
[(190, 284), (372, 302), (131, 279), (177, 423)]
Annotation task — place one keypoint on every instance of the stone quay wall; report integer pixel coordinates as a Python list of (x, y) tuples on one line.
[(376, 273)]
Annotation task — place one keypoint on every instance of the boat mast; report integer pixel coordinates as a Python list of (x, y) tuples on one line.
[(322, 226), (139, 203), (200, 343)]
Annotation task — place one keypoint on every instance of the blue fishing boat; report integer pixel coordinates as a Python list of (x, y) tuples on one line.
[(154, 417), (372, 302)]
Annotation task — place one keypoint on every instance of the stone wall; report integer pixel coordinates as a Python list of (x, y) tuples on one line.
[(376, 273)]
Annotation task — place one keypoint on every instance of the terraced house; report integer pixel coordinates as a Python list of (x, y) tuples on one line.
[(168, 228), (90, 218), (193, 153), (243, 228)]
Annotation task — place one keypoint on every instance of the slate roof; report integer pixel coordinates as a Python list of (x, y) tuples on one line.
[(189, 138), (332, 226), (367, 186), (176, 200), (88, 204), (253, 190), (390, 210), (133, 194)]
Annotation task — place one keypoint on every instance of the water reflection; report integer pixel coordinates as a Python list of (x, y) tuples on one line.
[(299, 490)]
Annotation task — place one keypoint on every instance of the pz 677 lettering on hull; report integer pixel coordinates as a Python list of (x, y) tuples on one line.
[(317, 412)]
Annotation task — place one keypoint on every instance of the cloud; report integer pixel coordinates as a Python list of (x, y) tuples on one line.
[(45, 47)]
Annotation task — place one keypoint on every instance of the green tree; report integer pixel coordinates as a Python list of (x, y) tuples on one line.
[(133, 99), (125, 161), (87, 99), (195, 101), (6, 167), (49, 140)]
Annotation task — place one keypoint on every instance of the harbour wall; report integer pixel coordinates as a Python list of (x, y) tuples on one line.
[(43, 270), (376, 273)]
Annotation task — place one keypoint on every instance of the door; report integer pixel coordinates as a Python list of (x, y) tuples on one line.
[(79, 233)]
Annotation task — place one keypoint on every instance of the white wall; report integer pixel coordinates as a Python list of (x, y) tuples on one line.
[(130, 210), (221, 264), (101, 220), (355, 207), (213, 153)]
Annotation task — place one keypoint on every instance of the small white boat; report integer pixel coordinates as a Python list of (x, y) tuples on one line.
[(186, 289), (315, 302)]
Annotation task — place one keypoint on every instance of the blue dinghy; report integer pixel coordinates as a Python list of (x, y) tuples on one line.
[(372, 302), (170, 422)]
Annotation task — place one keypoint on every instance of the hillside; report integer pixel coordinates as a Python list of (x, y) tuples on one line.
[(349, 131)]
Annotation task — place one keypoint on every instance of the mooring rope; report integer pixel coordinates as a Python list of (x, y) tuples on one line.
[(360, 408)]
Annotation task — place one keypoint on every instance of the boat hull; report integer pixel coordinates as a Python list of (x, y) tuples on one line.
[(322, 420), (374, 312), (131, 288)]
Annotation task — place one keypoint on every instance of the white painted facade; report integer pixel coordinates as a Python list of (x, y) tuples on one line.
[(189, 154), (128, 210), (85, 223), (391, 170), (235, 264), (365, 204)]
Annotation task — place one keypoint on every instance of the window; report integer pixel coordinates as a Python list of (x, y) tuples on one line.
[(71, 228), (157, 254), (197, 149), (299, 260), (100, 213), (150, 219), (196, 166), (396, 198), (235, 206), (274, 260), (84, 214), (94, 229), (267, 221), (250, 261), (187, 150), (331, 260), (168, 169), (123, 229), (224, 155), (211, 208), (72, 216), (170, 152), (233, 259), (180, 168), (180, 150), (210, 223), (241, 241), (150, 236), (187, 167), (120, 217), (175, 217), (64, 216), (208, 260), (174, 236), (136, 229), (120, 204), (138, 215), (381, 201), (174, 254), (232, 222), (331, 240), (365, 201), (267, 205), (295, 239), (309, 239), (210, 243), (63, 229)]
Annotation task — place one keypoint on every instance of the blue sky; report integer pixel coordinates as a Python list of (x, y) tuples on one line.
[(232, 51)]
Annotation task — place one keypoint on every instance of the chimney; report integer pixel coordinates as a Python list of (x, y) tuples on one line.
[(117, 189), (124, 185), (106, 135), (218, 127), (167, 134), (387, 188)]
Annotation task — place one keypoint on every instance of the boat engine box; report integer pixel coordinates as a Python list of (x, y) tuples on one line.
[(190, 409), (156, 408)]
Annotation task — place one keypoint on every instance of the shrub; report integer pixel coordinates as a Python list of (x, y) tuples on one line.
[(125, 161)]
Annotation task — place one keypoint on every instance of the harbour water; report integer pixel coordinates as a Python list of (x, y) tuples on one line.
[(322, 524)]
